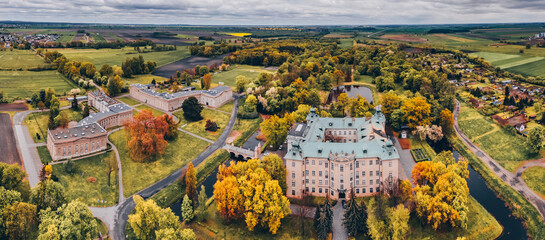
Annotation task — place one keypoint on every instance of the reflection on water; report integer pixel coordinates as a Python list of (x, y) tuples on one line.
[(352, 91)]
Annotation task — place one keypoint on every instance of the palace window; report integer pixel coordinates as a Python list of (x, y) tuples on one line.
[(389, 164)]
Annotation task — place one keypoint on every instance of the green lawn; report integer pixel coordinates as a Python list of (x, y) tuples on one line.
[(229, 77), (246, 127), (153, 110), (77, 186), (117, 56), (143, 79), (137, 176), (37, 123), (129, 101), (534, 177), (228, 107), (66, 37), (493, 57), (173, 192), (508, 149), (215, 227), (481, 225), (45, 156), (25, 83), (198, 128), (20, 59), (535, 68), (347, 42)]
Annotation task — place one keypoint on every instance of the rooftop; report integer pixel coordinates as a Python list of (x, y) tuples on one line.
[(148, 88), (112, 110), (88, 130)]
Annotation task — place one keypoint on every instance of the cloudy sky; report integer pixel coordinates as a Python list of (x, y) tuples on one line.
[(274, 12)]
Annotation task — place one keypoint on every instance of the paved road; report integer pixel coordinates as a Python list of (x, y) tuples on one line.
[(124, 208), (407, 161), (338, 229), (510, 178)]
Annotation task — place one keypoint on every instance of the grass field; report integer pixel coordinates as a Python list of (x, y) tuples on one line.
[(173, 192), (117, 56), (517, 63), (215, 227), (20, 59), (481, 225), (535, 68), (246, 127), (143, 79), (153, 110), (97, 194), (137, 176), (228, 107), (229, 77), (347, 42), (534, 177), (37, 123), (129, 101), (506, 148), (24, 83), (66, 37), (197, 127), (45, 156)]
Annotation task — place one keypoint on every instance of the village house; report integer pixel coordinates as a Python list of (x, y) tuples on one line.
[(332, 155)]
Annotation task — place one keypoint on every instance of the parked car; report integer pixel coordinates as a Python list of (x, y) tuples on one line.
[(343, 202)]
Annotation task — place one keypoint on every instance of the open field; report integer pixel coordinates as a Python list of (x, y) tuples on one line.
[(129, 101), (480, 225), (403, 37), (239, 34), (228, 107), (78, 187), (37, 123), (153, 110), (169, 70), (66, 37), (508, 149), (143, 79), (527, 65), (455, 38), (20, 59), (229, 77), (8, 145), (24, 83), (197, 127), (137, 176), (534, 177), (215, 227), (117, 56), (535, 68), (45, 156), (246, 127)]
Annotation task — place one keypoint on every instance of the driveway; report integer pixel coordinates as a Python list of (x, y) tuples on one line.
[(407, 161), (338, 229)]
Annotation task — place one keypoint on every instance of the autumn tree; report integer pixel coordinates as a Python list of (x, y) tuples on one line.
[(192, 109), (301, 113), (241, 83), (20, 220), (399, 220), (187, 209), (72, 221), (360, 107), (275, 129), (416, 111), (390, 101), (172, 132), (276, 169), (338, 76), (206, 81), (191, 183), (229, 199), (446, 121), (146, 136), (378, 218)]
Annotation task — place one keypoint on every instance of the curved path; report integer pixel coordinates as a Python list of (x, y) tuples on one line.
[(122, 210), (512, 179)]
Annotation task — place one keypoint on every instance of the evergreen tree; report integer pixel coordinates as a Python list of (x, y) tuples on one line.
[(85, 111), (187, 209), (200, 213), (317, 215), (352, 215), (362, 224), (327, 209), (75, 103), (322, 229)]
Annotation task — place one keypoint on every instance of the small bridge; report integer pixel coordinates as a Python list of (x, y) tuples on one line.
[(242, 153)]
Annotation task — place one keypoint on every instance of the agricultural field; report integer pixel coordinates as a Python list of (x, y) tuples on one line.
[(229, 77), (66, 37), (403, 37), (20, 60), (198, 127), (25, 83), (517, 63), (8, 146), (534, 177), (137, 176), (78, 186), (238, 34), (508, 149), (117, 56)]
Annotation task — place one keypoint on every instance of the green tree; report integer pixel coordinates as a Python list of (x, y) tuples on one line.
[(352, 215), (399, 219), (11, 176), (200, 212), (241, 82), (114, 86), (148, 219), (73, 220), (322, 229), (75, 106), (378, 220), (187, 209), (534, 141), (275, 168), (192, 109), (172, 234), (48, 194), (275, 129), (250, 103), (20, 220), (390, 101)]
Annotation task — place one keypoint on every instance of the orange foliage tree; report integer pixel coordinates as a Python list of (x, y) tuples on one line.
[(146, 136)]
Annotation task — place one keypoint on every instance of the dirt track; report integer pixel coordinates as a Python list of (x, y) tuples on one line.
[(8, 145), (13, 107)]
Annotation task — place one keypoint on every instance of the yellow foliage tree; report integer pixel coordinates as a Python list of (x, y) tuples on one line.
[(416, 112)]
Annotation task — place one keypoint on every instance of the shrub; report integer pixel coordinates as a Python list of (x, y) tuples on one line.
[(211, 126), (91, 179)]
